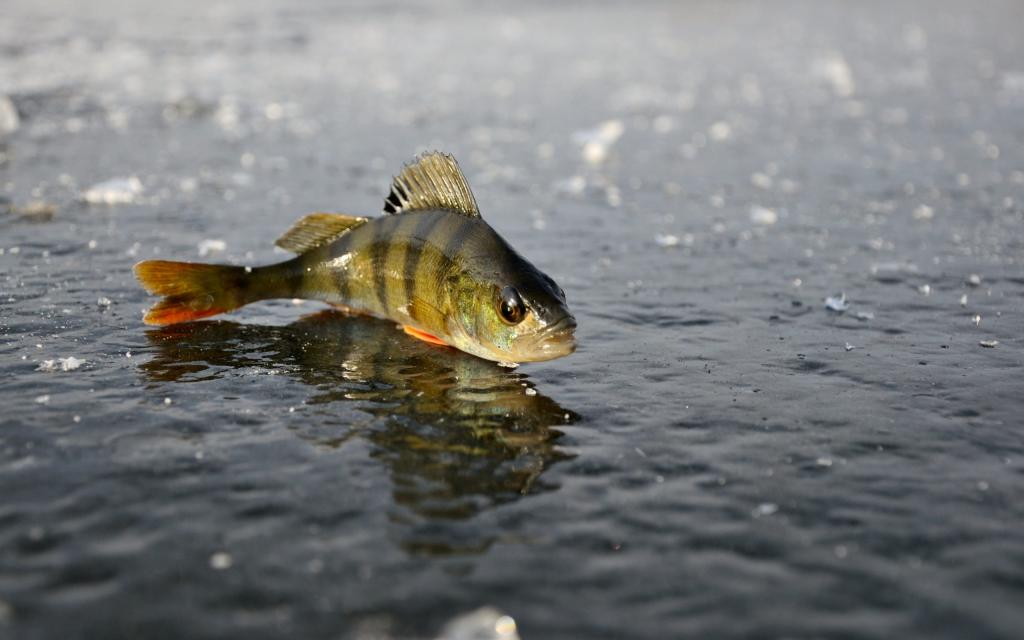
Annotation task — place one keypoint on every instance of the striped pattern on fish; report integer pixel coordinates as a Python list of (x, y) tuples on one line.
[(431, 264)]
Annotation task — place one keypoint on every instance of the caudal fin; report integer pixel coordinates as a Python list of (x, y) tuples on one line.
[(191, 291)]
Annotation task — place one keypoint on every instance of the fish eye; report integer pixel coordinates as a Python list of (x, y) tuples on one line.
[(511, 307)]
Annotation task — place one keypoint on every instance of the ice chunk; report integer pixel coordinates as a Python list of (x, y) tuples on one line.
[(925, 289), (837, 303), (666, 240), (486, 623), (208, 246), (38, 210), (923, 212), (598, 141), (115, 191), (761, 180), (43, 399), (60, 364), (720, 131), (574, 185), (221, 561), (988, 344), (763, 216), (833, 68), (765, 509), (974, 280), (9, 120)]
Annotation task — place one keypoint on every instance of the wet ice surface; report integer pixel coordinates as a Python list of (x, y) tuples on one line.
[(713, 461)]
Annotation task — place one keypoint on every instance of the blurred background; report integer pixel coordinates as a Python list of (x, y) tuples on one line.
[(790, 231)]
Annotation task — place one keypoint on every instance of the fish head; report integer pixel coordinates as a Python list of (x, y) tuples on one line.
[(513, 314)]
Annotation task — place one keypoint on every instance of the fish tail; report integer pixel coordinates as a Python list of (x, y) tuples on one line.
[(191, 290)]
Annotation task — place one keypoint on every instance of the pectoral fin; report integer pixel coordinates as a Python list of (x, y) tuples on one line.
[(423, 335)]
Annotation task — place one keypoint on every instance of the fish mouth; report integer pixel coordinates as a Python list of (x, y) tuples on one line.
[(555, 341)]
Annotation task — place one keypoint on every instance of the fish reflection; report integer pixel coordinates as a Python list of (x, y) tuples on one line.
[(458, 434)]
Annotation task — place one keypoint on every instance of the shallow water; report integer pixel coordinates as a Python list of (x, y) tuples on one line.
[(723, 456)]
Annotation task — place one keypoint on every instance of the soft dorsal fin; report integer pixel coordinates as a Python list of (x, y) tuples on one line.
[(317, 229), (432, 181)]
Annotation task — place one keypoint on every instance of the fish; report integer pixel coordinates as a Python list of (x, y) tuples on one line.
[(430, 263)]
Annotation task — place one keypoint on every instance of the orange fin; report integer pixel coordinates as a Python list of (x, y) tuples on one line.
[(173, 311), (192, 291), (423, 335)]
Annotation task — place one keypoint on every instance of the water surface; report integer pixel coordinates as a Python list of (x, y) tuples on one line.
[(722, 457)]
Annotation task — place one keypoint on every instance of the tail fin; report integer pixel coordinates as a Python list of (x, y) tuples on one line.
[(192, 291)]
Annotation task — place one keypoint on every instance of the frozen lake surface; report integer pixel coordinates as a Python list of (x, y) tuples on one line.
[(725, 456)]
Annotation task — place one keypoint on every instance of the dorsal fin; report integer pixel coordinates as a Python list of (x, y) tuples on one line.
[(432, 181), (317, 229)]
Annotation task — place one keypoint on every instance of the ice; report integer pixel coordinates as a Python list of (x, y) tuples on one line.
[(43, 399), (763, 216), (963, 300), (974, 280), (114, 191), (923, 212), (38, 210), (988, 344), (765, 509), (598, 141), (865, 315), (837, 303), (574, 185), (208, 246), (824, 462), (925, 289), (761, 180), (221, 561), (9, 120), (60, 364), (833, 68), (720, 131), (666, 240), (485, 623)]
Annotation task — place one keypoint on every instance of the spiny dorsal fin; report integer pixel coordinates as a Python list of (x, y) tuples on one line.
[(432, 181), (315, 230)]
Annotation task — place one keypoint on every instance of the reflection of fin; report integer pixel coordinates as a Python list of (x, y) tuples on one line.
[(192, 291), (315, 230), (423, 335), (350, 311), (432, 181)]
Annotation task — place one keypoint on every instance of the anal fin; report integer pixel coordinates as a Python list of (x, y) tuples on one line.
[(423, 335)]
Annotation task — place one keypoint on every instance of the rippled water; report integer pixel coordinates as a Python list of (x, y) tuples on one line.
[(723, 456)]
